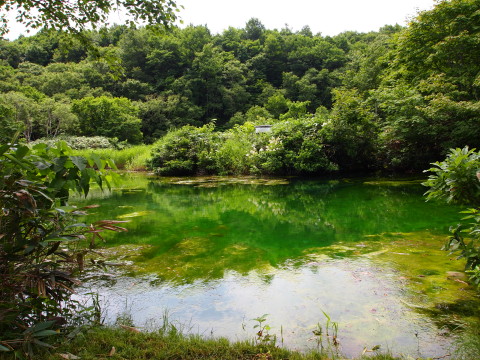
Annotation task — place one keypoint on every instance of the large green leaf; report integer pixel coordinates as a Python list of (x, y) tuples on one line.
[(21, 152), (39, 327), (43, 333), (79, 161), (4, 148)]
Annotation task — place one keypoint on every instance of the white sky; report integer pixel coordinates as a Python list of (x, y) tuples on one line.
[(329, 17)]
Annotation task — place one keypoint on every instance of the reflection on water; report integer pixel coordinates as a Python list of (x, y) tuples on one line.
[(217, 254)]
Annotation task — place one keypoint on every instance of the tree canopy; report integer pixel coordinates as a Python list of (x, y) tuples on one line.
[(77, 15), (398, 98)]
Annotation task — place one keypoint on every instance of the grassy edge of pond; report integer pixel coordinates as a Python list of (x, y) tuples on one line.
[(101, 342), (133, 158), (114, 342)]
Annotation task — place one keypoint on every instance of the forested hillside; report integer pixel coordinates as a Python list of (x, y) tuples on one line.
[(395, 99)]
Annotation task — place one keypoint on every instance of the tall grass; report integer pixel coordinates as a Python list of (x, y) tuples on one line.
[(132, 158), (123, 343)]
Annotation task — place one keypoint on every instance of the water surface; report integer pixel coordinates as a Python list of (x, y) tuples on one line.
[(216, 253)]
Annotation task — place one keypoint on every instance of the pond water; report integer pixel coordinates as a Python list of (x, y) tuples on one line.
[(212, 254)]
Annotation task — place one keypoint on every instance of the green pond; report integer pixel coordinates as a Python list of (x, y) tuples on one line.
[(212, 254)]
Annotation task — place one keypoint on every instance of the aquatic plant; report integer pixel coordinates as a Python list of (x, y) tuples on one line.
[(263, 337), (328, 343)]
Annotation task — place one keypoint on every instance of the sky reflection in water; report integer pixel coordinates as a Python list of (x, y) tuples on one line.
[(217, 254)]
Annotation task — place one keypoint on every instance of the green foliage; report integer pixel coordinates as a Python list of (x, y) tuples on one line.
[(294, 146), (405, 141), (163, 113), (233, 155), (132, 158), (110, 117), (327, 340), (37, 246), (457, 180), (465, 241), (8, 125), (171, 343), (20, 112), (79, 142), (277, 105), (399, 98), (296, 110), (186, 151), (263, 336), (443, 41), (351, 131), (77, 15), (36, 116), (256, 114)]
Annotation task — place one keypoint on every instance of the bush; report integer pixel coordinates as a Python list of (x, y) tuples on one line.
[(296, 147), (37, 256), (457, 180), (293, 147), (186, 151), (79, 142), (234, 153)]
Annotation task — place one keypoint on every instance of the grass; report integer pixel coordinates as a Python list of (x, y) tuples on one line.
[(468, 343), (133, 158), (117, 343)]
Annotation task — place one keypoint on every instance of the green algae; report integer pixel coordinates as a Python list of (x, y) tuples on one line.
[(381, 241), (133, 214), (201, 229), (215, 181), (394, 182)]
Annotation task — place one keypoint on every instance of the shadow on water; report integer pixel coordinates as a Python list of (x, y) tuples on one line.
[(218, 250)]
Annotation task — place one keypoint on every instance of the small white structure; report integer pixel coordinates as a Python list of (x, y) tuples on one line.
[(263, 128)]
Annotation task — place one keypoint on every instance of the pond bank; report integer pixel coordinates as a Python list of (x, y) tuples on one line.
[(124, 343)]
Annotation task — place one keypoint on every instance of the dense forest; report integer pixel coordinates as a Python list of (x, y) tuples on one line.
[(395, 99)]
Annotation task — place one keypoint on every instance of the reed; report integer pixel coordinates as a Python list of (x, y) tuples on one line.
[(132, 158)]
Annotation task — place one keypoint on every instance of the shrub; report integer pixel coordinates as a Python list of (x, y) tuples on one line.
[(185, 151), (234, 153), (37, 256), (79, 142), (295, 146), (457, 180)]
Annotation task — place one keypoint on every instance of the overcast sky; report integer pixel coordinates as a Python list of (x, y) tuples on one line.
[(328, 17)]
